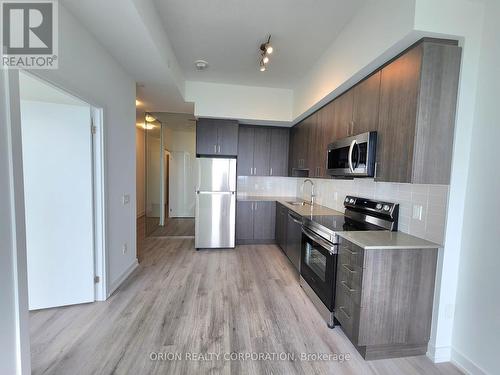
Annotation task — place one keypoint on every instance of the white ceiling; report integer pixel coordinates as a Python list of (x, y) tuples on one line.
[(32, 88), (228, 34), (131, 32), (176, 121), (157, 41)]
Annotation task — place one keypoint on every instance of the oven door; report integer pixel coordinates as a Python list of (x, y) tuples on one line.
[(318, 266), (353, 156)]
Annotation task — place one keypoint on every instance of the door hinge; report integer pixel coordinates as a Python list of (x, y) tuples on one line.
[(97, 279), (93, 128)]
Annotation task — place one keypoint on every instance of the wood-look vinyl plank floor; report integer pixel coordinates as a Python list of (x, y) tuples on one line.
[(246, 300)]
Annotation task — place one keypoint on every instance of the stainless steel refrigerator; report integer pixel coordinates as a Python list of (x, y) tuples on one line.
[(215, 214)]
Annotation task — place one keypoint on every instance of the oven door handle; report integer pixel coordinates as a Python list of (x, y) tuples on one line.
[(332, 249), (349, 157)]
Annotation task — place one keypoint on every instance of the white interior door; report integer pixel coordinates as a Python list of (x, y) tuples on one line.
[(57, 164)]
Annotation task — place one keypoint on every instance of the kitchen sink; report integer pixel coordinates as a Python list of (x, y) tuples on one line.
[(295, 203)]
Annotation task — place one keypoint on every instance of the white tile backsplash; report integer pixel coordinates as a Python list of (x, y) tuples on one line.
[(331, 193), (267, 186), (432, 198)]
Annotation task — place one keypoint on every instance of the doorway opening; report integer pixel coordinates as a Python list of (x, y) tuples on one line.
[(62, 152), (170, 140)]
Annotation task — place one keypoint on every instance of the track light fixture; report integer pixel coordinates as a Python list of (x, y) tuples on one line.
[(265, 50)]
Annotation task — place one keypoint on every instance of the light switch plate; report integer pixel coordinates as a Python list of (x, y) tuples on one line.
[(417, 212), (126, 199)]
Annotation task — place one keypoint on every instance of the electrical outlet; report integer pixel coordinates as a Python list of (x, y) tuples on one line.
[(417, 211), (124, 248), (126, 199)]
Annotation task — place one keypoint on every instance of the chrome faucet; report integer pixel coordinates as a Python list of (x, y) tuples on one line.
[(312, 189)]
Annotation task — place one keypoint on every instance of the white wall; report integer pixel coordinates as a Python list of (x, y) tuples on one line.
[(140, 171), (476, 327), (183, 171), (87, 70), (240, 102)]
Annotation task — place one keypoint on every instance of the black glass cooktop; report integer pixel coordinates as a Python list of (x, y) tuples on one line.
[(340, 223)]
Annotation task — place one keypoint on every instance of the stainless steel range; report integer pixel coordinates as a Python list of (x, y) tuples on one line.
[(318, 265)]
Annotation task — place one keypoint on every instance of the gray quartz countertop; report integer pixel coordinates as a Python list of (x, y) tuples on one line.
[(305, 210), (386, 240)]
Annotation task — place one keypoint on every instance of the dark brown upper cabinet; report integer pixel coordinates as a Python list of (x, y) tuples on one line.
[(299, 148), (244, 166), (418, 96), (317, 153), (280, 139), (410, 102), (342, 115), (217, 138), (263, 151), (365, 110)]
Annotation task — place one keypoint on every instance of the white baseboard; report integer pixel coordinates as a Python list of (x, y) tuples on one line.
[(123, 277), (465, 364), (439, 354)]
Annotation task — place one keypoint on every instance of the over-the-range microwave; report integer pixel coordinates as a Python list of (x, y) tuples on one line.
[(353, 156)]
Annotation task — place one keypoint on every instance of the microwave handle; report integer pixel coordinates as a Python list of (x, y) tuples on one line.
[(349, 158)]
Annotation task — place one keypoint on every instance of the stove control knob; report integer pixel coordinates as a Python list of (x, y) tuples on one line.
[(346, 200), (379, 206), (351, 201), (386, 207)]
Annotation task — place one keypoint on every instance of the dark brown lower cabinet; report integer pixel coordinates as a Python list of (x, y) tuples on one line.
[(384, 298), (255, 222)]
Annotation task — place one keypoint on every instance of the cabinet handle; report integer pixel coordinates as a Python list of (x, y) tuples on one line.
[(348, 269), (341, 308), (251, 171), (255, 171), (218, 149), (375, 171), (253, 203), (271, 172), (215, 149), (255, 206), (349, 289), (349, 251)]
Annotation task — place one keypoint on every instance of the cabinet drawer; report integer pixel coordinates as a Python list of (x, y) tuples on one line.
[(351, 254), (347, 313), (349, 281)]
